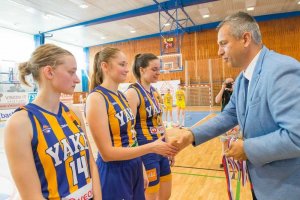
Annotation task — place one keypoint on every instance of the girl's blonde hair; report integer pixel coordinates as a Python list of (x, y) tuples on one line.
[(48, 54)]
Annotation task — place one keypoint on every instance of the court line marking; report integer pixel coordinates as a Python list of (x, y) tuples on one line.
[(203, 168), (203, 175), (211, 115)]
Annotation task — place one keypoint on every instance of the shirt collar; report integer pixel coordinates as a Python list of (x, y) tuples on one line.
[(250, 69)]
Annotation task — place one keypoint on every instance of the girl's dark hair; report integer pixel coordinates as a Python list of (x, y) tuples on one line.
[(142, 61), (47, 54), (102, 56)]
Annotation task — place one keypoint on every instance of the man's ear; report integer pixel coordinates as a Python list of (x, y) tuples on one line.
[(247, 38), (48, 72)]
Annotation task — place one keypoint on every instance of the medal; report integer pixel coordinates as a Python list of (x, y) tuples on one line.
[(133, 132)]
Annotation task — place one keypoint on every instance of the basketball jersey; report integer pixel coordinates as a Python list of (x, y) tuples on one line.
[(168, 99), (61, 153), (148, 123), (120, 118), (180, 96)]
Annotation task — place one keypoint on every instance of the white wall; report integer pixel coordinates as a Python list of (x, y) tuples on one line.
[(15, 46)]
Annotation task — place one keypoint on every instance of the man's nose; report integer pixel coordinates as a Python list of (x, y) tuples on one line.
[(220, 51)]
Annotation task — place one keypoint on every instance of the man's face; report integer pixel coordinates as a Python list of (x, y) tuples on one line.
[(230, 48)]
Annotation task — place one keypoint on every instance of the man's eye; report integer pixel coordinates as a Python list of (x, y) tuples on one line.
[(222, 43)]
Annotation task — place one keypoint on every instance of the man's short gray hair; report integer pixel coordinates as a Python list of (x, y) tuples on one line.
[(240, 23)]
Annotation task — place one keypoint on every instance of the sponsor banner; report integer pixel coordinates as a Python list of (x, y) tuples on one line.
[(5, 114), (84, 193), (9, 100)]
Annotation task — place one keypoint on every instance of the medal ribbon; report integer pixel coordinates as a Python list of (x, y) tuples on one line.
[(150, 95), (236, 166)]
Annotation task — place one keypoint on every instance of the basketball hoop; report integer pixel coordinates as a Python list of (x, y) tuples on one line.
[(171, 62)]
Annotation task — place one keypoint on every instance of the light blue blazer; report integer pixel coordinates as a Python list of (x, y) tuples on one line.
[(270, 122)]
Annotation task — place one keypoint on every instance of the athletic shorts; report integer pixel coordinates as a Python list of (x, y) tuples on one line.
[(180, 104), (158, 170), (121, 179), (168, 107)]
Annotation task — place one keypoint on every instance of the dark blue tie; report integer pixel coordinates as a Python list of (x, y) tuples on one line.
[(246, 84)]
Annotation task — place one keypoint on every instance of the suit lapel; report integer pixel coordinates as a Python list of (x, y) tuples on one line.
[(240, 101), (256, 74), (255, 78)]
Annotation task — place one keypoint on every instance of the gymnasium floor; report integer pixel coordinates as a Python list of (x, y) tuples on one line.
[(196, 174), (191, 117)]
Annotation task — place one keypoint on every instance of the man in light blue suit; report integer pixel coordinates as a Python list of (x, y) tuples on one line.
[(266, 105)]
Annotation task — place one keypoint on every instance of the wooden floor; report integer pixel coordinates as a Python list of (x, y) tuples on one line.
[(196, 174)]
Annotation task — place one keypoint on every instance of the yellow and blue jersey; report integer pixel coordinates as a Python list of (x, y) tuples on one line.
[(127, 173), (61, 153), (148, 123), (120, 118), (180, 97), (168, 99)]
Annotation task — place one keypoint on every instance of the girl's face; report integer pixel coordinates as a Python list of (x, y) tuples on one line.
[(117, 68), (64, 77), (151, 73)]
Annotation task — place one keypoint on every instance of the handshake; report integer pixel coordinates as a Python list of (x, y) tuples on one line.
[(176, 139), (173, 141)]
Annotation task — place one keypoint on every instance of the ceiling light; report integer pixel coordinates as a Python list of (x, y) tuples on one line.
[(132, 31), (31, 10), (83, 6), (80, 3), (103, 38), (250, 8), (167, 24), (298, 3), (47, 16), (204, 12)]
